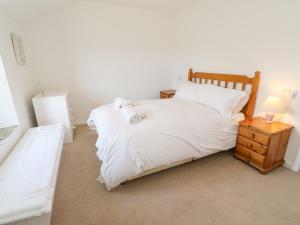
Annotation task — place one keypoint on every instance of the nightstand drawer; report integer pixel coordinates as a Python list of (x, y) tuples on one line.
[(167, 94), (254, 146), (249, 156), (255, 136), (242, 153), (163, 95)]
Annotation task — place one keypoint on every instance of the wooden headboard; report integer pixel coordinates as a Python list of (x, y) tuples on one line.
[(241, 82)]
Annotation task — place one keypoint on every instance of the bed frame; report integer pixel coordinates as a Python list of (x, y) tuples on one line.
[(240, 82)]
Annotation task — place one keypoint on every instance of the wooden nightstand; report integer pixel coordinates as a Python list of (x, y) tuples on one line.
[(261, 144), (167, 93)]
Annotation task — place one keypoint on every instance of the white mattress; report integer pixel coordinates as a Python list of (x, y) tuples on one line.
[(174, 130), (28, 175)]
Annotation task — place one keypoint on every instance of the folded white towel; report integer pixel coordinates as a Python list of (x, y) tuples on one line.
[(120, 103), (131, 115)]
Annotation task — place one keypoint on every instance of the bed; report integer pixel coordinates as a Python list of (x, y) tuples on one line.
[(176, 131)]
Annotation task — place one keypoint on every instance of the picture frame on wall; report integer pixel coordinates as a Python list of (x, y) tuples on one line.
[(18, 49)]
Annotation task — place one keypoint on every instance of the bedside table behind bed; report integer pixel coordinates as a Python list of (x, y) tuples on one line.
[(167, 94)]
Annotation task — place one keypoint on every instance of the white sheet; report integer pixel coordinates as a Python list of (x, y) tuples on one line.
[(27, 177), (174, 130)]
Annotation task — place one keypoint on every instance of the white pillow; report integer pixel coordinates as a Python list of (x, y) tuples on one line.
[(187, 90), (225, 101)]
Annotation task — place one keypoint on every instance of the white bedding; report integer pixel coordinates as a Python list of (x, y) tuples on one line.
[(27, 177), (174, 130)]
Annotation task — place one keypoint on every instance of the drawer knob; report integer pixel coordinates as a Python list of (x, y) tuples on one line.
[(253, 135), (250, 146)]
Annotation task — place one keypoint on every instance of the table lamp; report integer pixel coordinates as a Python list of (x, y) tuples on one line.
[(272, 106)]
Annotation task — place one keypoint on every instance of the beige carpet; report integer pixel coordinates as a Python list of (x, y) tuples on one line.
[(216, 190)]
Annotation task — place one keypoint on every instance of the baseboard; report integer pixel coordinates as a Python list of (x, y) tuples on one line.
[(288, 166), (296, 166), (291, 167)]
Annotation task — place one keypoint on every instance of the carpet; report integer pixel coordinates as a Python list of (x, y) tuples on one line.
[(216, 190)]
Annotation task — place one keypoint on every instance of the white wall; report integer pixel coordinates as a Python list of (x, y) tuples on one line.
[(20, 82), (99, 51), (242, 36), (8, 116)]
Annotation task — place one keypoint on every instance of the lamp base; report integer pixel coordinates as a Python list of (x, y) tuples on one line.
[(269, 117)]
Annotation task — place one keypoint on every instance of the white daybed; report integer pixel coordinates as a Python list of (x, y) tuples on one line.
[(28, 177), (175, 131)]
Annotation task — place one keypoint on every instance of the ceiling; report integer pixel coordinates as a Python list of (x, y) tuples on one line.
[(26, 10), (159, 5)]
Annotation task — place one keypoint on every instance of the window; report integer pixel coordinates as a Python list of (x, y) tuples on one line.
[(8, 116)]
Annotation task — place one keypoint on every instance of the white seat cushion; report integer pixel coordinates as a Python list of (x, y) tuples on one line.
[(28, 175)]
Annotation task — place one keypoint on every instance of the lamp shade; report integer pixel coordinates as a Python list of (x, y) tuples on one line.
[(274, 104)]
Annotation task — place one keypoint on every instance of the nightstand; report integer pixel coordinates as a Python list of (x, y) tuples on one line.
[(167, 93), (261, 144)]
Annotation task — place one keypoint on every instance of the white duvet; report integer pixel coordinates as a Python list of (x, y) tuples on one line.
[(174, 130)]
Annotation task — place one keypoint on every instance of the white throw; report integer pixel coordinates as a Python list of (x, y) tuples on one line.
[(121, 103), (131, 114)]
